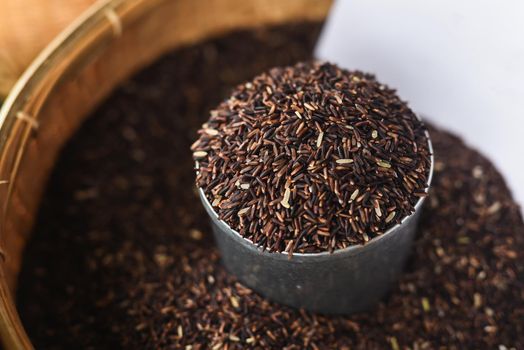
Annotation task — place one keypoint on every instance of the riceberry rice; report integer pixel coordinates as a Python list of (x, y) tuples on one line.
[(121, 258), (312, 158)]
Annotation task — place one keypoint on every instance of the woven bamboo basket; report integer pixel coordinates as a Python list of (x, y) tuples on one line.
[(72, 75)]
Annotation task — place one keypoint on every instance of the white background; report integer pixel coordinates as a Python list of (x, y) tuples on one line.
[(459, 62)]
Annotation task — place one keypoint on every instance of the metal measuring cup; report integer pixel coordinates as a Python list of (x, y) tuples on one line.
[(346, 281)]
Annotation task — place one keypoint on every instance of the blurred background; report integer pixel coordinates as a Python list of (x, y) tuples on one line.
[(26, 27)]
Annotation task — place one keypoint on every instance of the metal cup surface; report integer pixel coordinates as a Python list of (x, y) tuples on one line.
[(346, 281)]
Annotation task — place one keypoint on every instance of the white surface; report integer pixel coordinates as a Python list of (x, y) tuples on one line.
[(459, 62)]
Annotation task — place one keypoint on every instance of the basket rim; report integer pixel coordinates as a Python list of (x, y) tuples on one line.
[(12, 331)]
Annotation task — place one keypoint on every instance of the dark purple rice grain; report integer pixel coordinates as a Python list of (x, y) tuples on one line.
[(282, 160), (121, 256)]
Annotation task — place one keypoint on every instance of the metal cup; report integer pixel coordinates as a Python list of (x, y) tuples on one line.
[(346, 281)]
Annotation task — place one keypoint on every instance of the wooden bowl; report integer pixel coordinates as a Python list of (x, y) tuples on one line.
[(72, 75)]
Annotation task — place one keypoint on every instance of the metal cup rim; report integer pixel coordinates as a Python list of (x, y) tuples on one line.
[(352, 249)]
